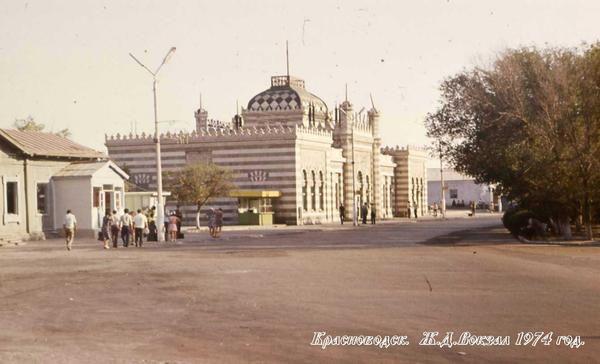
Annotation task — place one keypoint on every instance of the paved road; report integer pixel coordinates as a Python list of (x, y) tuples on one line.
[(259, 296), (389, 234)]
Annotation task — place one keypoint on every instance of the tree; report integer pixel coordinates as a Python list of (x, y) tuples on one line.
[(29, 124), (65, 133), (530, 122), (198, 183)]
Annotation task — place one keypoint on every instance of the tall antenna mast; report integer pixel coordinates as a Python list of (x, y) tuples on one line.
[(346, 92), (287, 60), (200, 101), (372, 103), (237, 107)]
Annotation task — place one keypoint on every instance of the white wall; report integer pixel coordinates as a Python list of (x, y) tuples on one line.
[(467, 190), (38, 171), (73, 194)]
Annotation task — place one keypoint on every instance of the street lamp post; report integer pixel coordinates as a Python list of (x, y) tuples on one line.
[(443, 197), (354, 207), (159, 186)]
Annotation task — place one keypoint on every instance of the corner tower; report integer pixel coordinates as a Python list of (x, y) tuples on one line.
[(373, 116), (344, 138)]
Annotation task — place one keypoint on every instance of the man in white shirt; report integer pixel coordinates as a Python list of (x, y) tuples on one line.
[(70, 226), (140, 223), (126, 227), (115, 228)]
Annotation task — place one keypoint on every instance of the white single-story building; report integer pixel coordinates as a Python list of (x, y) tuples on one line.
[(88, 190), (459, 190), (42, 175)]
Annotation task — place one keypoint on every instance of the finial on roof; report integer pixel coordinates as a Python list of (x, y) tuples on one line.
[(372, 103), (346, 91), (287, 60)]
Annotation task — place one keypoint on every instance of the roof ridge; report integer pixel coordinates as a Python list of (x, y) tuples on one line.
[(41, 143)]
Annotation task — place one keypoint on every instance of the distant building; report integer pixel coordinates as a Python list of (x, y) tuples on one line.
[(460, 189), (288, 145), (42, 175)]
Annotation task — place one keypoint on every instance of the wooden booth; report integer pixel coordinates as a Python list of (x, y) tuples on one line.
[(255, 207)]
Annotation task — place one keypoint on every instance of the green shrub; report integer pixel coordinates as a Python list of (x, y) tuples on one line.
[(516, 220), (507, 216)]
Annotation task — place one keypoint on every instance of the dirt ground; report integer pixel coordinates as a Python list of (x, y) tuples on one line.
[(259, 296)]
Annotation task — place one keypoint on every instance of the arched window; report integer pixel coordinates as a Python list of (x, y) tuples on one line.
[(321, 191), (360, 188), (337, 195), (339, 190), (368, 192), (412, 190), (422, 197), (304, 191), (384, 194), (313, 192), (332, 205), (392, 196)]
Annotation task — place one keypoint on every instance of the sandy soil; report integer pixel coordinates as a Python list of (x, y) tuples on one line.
[(259, 296)]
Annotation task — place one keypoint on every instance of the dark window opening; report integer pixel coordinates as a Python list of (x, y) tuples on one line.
[(42, 198), (96, 197), (12, 198)]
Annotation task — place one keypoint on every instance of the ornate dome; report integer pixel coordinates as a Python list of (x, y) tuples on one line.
[(286, 93)]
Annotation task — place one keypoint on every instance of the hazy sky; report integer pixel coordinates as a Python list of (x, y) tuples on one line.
[(66, 63)]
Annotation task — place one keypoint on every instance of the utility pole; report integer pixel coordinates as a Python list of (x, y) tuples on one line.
[(443, 199), (159, 186), (355, 205)]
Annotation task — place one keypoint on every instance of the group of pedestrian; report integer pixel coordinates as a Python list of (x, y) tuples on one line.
[(215, 222), (363, 212), (131, 226)]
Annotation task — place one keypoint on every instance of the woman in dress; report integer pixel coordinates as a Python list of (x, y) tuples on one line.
[(172, 227), (105, 230), (218, 221), (210, 215)]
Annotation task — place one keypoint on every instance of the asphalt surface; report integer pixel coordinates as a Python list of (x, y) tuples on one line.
[(259, 296)]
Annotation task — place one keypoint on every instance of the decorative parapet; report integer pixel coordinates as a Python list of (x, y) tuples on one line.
[(212, 134), (403, 149), (361, 123), (218, 124), (314, 131), (358, 121), (278, 81)]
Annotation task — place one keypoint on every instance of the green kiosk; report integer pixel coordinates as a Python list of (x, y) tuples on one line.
[(254, 207)]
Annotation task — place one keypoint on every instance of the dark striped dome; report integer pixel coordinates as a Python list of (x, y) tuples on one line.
[(286, 93)]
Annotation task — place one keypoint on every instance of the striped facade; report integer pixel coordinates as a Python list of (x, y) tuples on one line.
[(410, 180), (318, 162)]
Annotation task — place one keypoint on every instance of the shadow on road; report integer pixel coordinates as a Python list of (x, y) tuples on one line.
[(477, 236)]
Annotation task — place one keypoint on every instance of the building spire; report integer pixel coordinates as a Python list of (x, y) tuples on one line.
[(200, 101), (287, 60), (372, 102), (346, 91)]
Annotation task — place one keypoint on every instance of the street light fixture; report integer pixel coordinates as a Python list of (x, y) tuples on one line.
[(159, 205)]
